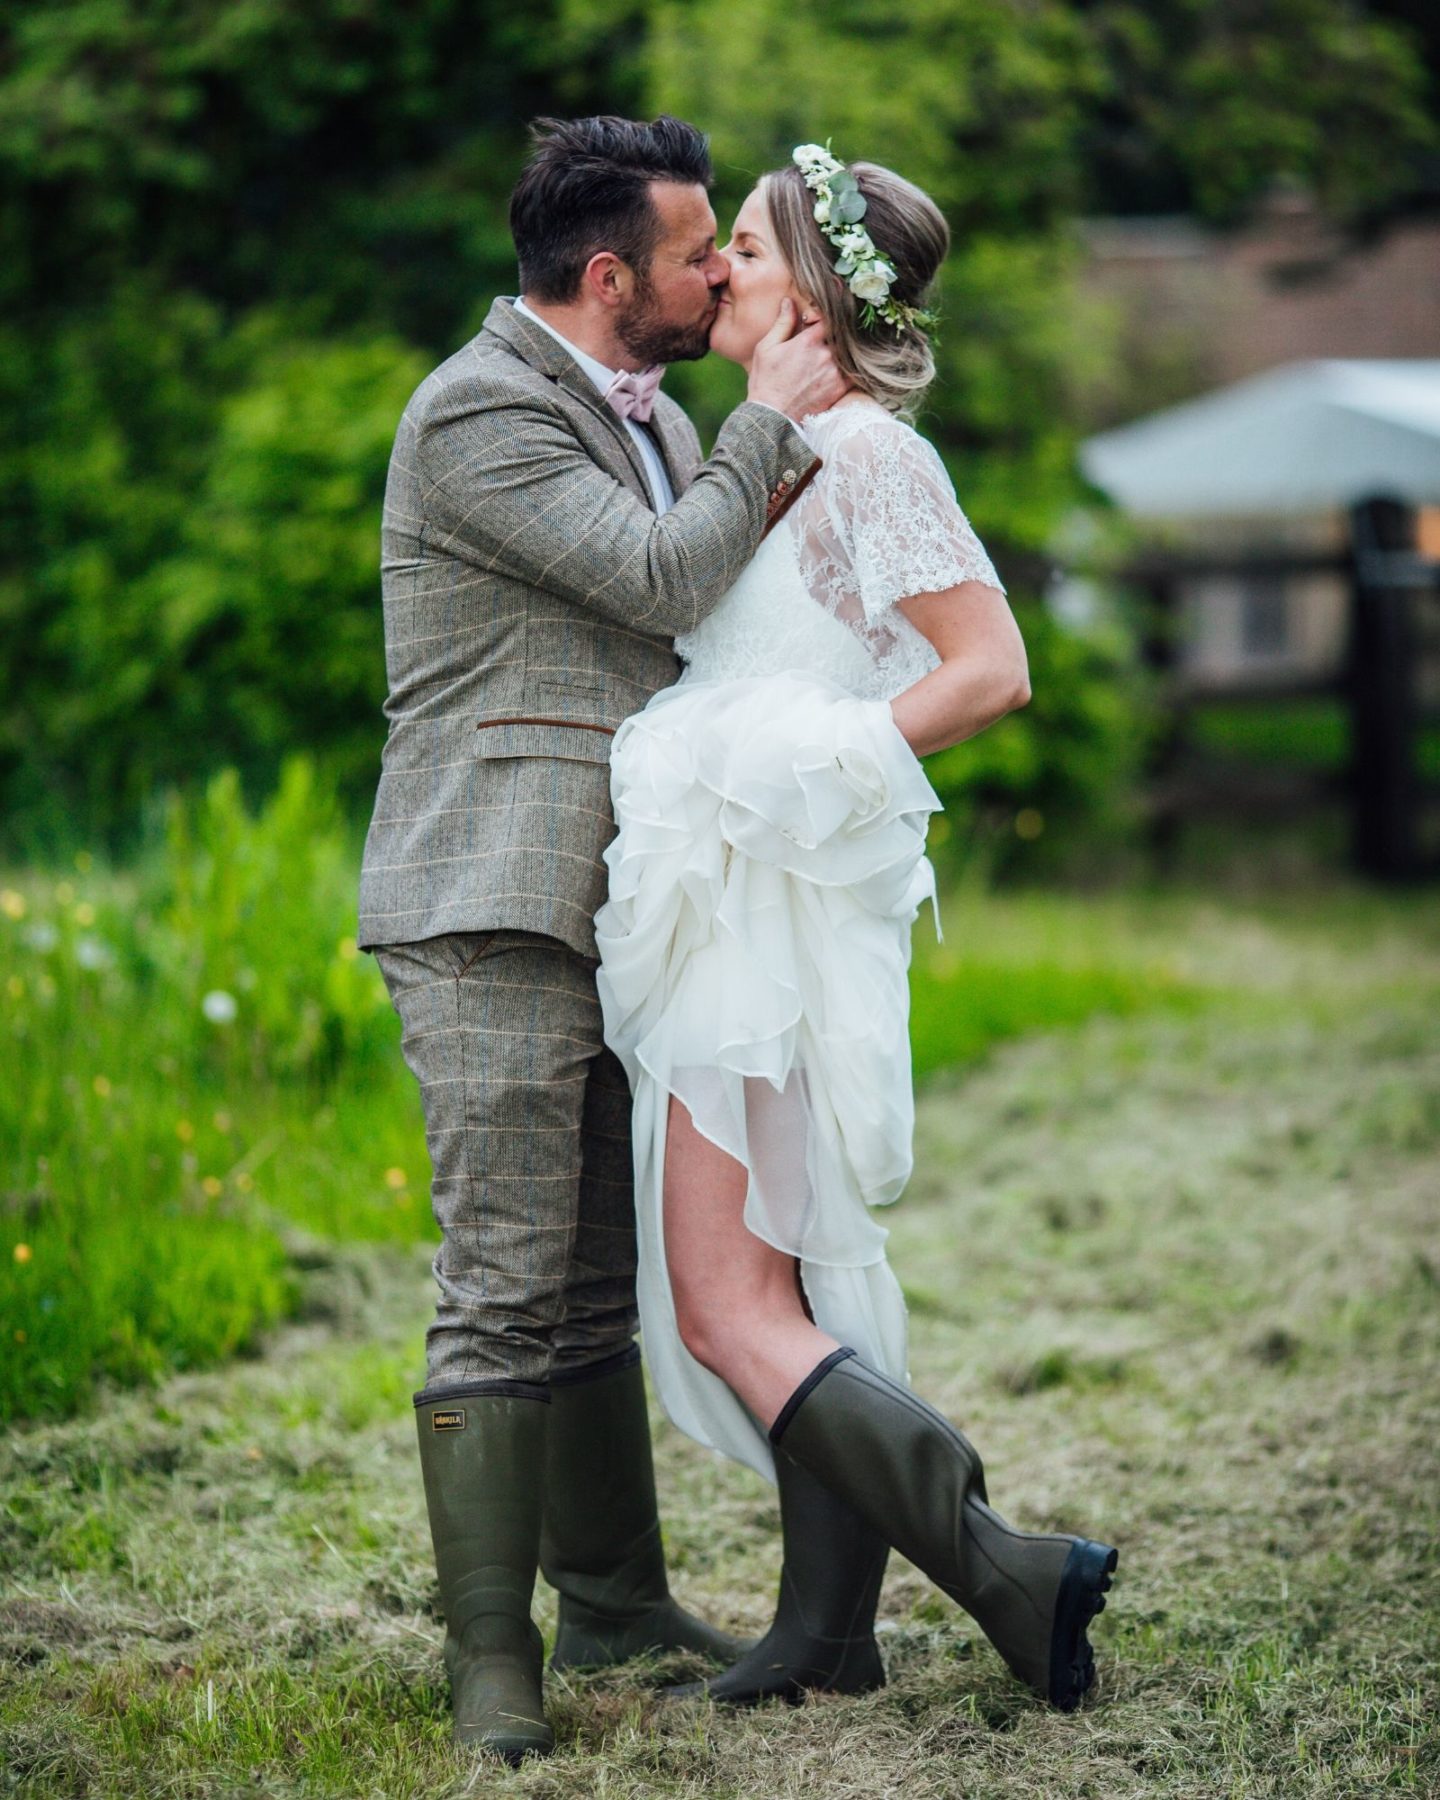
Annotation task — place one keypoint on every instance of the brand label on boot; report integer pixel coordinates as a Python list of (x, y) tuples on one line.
[(454, 1420)]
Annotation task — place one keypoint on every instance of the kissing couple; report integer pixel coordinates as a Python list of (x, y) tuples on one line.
[(648, 937)]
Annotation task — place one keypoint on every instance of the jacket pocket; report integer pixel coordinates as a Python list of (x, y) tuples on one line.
[(559, 738)]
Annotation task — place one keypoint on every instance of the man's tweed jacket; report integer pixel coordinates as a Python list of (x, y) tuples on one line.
[(531, 594)]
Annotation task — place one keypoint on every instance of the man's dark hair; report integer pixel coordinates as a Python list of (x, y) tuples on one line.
[(586, 188)]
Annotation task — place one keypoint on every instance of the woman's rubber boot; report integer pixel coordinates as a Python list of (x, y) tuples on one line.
[(483, 1458), (600, 1542), (919, 1481), (823, 1635)]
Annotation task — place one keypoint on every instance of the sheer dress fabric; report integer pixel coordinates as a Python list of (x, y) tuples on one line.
[(767, 868)]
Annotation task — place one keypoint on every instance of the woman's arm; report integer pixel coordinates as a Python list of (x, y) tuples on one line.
[(983, 672)]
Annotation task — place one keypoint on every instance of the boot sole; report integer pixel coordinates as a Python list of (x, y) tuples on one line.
[(794, 1693), (778, 1685), (1084, 1582)]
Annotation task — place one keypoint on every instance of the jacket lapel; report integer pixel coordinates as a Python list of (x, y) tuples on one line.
[(674, 449), (548, 357)]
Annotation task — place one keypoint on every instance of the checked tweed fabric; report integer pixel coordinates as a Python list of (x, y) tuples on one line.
[(527, 1119), (531, 595)]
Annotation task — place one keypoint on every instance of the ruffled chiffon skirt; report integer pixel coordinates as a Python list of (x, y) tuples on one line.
[(769, 863)]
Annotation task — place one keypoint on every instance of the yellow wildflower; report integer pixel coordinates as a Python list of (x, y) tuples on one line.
[(213, 1186), (23, 1253), (101, 1085), (395, 1178), (12, 904), (185, 1131)]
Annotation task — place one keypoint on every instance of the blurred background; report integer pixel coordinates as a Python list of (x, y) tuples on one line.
[(1189, 396), (1169, 1249)]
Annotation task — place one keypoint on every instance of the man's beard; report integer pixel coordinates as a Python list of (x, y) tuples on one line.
[(650, 338)]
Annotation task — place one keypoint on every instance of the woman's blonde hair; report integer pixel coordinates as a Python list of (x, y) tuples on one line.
[(909, 231)]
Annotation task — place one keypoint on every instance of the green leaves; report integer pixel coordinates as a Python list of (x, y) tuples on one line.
[(847, 204)]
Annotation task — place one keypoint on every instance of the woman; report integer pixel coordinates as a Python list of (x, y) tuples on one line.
[(768, 866)]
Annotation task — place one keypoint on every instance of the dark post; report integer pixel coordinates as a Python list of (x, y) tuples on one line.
[(1160, 653), (1384, 779)]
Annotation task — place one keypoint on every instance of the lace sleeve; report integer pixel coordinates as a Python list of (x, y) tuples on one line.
[(895, 513)]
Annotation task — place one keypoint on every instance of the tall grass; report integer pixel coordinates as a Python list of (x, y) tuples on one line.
[(203, 1066), (199, 1059)]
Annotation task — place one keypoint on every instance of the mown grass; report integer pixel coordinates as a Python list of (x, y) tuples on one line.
[(1175, 1272), (207, 1075)]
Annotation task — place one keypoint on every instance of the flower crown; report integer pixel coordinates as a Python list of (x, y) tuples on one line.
[(839, 208)]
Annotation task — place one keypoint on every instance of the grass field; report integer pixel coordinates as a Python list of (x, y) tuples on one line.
[(207, 1078), (1173, 1264)]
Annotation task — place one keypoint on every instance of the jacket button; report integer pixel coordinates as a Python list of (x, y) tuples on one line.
[(788, 476)]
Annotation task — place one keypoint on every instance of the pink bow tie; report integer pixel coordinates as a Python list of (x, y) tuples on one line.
[(633, 396)]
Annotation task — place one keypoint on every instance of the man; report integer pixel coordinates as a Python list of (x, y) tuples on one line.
[(546, 535)]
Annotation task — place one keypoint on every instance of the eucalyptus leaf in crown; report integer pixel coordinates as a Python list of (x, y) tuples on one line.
[(839, 208)]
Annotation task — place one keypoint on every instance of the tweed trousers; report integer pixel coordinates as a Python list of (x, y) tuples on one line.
[(527, 1119)]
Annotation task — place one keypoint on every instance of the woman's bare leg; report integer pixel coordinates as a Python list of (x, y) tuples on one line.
[(737, 1300)]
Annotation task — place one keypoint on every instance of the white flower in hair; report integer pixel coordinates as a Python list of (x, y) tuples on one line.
[(870, 284), (839, 208)]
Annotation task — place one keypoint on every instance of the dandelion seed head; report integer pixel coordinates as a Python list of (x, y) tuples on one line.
[(219, 1007), (93, 953)]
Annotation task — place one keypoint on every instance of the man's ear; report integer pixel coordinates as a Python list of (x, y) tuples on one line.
[(607, 279)]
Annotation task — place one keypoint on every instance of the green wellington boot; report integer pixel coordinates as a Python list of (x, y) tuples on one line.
[(823, 1634), (918, 1480), (483, 1455), (600, 1543)]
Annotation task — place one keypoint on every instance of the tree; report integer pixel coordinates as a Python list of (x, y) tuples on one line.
[(234, 232)]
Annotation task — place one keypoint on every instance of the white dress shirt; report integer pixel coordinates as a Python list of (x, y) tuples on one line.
[(661, 492)]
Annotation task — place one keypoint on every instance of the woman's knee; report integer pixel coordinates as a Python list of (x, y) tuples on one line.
[(722, 1323), (701, 1331)]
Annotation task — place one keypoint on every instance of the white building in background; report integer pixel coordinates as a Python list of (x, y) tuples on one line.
[(1268, 468)]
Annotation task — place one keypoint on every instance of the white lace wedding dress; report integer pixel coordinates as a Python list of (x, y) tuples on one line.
[(769, 863)]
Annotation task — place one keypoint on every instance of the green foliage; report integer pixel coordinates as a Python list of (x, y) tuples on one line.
[(207, 504), (1227, 97), (231, 240), (176, 1041), (1062, 769)]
